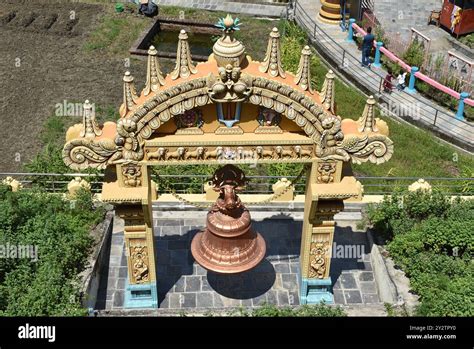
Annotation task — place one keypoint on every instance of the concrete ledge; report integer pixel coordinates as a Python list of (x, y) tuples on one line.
[(388, 293), (98, 258)]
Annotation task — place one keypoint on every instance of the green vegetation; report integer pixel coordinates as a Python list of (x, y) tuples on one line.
[(468, 40), (117, 31), (432, 240), (49, 159), (415, 57), (270, 310), (60, 230), (417, 152)]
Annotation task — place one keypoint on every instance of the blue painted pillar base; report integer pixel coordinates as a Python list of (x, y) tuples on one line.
[(141, 296), (315, 291), (411, 83)]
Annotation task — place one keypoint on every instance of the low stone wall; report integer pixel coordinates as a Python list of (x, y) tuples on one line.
[(97, 260), (266, 10)]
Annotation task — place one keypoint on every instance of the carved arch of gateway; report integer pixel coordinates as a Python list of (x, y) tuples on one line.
[(226, 111)]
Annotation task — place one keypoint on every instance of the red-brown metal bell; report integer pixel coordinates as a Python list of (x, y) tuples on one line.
[(228, 244)]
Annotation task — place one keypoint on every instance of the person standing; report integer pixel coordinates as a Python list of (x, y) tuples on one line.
[(367, 45), (401, 80), (148, 8)]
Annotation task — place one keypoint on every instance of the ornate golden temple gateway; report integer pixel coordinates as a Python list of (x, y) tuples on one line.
[(228, 110)]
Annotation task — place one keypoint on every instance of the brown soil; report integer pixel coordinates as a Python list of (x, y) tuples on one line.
[(53, 68)]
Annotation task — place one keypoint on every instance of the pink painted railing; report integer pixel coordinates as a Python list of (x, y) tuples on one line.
[(419, 75)]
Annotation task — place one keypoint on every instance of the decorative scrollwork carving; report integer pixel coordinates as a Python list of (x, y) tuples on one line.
[(82, 153)]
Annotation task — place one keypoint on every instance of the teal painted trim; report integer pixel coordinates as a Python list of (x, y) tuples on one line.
[(377, 63), (350, 33), (411, 84), (141, 296), (460, 112), (315, 291)]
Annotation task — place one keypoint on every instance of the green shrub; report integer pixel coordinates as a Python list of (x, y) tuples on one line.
[(432, 240), (60, 231)]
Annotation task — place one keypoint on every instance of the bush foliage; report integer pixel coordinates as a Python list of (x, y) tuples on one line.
[(48, 286), (432, 240)]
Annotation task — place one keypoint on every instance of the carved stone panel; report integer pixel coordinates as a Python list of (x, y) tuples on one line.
[(320, 255), (139, 261), (132, 175)]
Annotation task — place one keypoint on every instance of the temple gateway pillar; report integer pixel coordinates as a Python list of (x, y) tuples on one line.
[(129, 187), (325, 191)]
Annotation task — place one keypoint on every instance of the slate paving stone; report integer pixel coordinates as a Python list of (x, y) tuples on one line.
[(294, 268), (293, 298), (162, 256), (178, 245), (281, 268), (165, 303), (118, 298), (259, 300), (366, 276), (205, 284), (339, 297), (282, 297), (371, 298), (123, 272), (289, 281), (272, 297), (170, 222), (348, 281), (353, 297), (179, 257), (182, 283), (368, 287), (192, 284), (218, 303), (230, 302), (204, 300), (179, 285), (174, 300), (121, 283), (198, 270), (170, 230), (188, 300)]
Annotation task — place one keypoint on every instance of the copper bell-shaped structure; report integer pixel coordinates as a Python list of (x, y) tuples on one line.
[(228, 244)]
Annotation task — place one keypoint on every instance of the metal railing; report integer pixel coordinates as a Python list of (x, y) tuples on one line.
[(444, 124), (195, 184)]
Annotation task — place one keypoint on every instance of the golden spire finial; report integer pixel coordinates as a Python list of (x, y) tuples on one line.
[(327, 94), (303, 75), (154, 76), (367, 122), (184, 66), (129, 94), (90, 128), (272, 61)]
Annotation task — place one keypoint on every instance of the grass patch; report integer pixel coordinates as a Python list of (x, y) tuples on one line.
[(117, 31)]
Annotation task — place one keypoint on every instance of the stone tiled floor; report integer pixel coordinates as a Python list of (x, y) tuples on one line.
[(182, 283)]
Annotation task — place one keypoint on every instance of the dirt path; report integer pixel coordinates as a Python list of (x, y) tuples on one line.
[(42, 63)]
